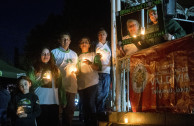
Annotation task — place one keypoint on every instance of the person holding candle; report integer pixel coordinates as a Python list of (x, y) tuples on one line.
[(66, 60), (133, 29), (45, 75), (104, 51), (88, 65), (25, 104)]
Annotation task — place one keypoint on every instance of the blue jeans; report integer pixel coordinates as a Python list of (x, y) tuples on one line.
[(103, 91)]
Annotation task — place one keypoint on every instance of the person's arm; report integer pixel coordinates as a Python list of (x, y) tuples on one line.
[(174, 30), (96, 64), (36, 81)]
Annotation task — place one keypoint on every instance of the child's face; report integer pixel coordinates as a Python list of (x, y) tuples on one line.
[(24, 86)]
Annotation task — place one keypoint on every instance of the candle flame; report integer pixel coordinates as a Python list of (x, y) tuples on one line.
[(142, 30), (73, 69), (47, 75), (126, 120), (20, 110)]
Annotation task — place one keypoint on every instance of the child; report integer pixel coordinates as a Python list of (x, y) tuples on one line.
[(25, 105)]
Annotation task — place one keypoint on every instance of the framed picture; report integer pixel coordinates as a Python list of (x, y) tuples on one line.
[(133, 27)]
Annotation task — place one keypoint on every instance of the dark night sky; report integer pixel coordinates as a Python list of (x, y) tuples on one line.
[(18, 17)]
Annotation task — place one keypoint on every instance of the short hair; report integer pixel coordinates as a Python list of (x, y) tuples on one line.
[(64, 33), (132, 20), (85, 38), (152, 9), (102, 29), (23, 77)]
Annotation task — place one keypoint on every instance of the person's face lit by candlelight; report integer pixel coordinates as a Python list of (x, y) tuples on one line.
[(45, 55), (102, 35), (24, 86), (85, 45), (133, 27)]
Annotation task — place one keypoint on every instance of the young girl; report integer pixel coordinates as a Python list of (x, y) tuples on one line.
[(88, 64), (25, 104), (44, 76)]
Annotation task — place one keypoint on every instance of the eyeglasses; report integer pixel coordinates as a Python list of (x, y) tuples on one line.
[(45, 54)]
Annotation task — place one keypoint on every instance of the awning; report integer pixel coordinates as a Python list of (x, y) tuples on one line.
[(9, 71)]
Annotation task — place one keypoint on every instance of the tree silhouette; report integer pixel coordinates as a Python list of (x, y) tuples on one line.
[(80, 18)]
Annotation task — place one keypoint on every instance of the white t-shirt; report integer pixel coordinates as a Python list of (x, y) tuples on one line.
[(105, 51), (47, 96), (66, 62), (130, 49), (87, 76)]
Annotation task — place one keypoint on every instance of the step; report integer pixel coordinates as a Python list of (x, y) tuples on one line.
[(146, 118)]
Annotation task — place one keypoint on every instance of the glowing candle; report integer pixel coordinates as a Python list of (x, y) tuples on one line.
[(142, 30), (47, 75), (84, 59), (20, 110), (126, 120), (73, 69)]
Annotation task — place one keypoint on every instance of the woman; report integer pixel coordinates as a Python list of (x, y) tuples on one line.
[(44, 75), (88, 65)]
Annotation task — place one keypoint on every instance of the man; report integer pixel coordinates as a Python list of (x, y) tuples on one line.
[(66, 60), (133, 29), (172, 27), (103, 49)]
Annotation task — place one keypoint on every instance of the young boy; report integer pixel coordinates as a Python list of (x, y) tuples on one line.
[(25, 105)]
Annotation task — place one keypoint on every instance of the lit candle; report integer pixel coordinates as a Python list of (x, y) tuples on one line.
[(47, 75), (84, 59), (126, 120), (142, 30), (73, 69), (20, 110)]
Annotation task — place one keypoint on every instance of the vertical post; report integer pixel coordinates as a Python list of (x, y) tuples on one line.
[(142, 18), (118, 72), (115, 4), (113, 47), (128, 63), (123, 88)]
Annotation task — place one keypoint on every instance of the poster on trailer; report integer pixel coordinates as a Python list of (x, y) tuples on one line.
[(135, 34), (162, 77)]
